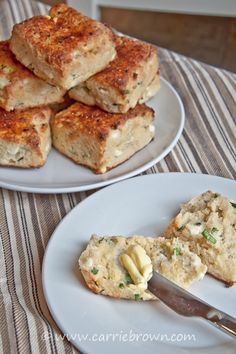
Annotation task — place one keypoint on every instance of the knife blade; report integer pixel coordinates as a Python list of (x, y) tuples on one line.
[(186, 304)]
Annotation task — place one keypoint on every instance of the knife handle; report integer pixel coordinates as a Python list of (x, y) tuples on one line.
[(223, 321)]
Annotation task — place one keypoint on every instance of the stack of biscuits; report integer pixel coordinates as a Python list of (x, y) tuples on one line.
[(68, 80)]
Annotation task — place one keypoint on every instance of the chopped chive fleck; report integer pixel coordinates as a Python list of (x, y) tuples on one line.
[(74, 76), (214, 229), (233, 205), (101, 239), (181, 228), (208, 236), (94, 271), (128, 279), (137, 297), (177, 251), (109, 241), (21, 158), (121, 286), (198, 224), (126, 92), (216, 195), (31, 67), (140, 83), (101, 291)]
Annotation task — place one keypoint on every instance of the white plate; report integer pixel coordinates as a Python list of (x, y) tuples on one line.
[(142, 205), (61, 175)]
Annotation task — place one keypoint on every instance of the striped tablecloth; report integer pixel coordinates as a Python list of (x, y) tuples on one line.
[(27, 221)]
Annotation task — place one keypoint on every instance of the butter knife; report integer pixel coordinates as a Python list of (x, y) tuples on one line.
[(186, 304)]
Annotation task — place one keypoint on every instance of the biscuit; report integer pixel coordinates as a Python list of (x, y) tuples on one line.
[(25, 139), (64, 48), (103, 272), (20, 88), (208, 223), (101, 140), (132, 77)]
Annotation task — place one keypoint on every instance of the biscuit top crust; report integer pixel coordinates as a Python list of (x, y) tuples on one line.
[(91, 120), (24, 127), (10, 67), (58, 36), (131, 55)]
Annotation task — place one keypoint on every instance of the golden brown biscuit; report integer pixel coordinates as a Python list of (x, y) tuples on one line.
[(101, 140), (132, 76), (25, 139), (64, 48), (19, 87)]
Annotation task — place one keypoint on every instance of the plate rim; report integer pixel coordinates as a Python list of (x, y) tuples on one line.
[(81, 204), (135, 172)]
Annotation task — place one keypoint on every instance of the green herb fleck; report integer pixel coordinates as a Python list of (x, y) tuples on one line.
[(137, 297), (233, 205), (177, 251), (20, 104), (116, 105), (31, 66), (74, 76), (126, 92), (215, 195), (6, 69), (101, 239), (140, 83), (128, 279), (101, 291), (214, 229), (109, 241), (121, 286), (85, 155), (94, 271), (208, 236), (181, 228), (21, 158)]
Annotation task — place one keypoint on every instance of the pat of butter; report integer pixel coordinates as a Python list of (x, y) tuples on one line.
[(137, 263)]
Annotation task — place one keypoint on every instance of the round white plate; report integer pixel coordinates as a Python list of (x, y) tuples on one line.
[(61, 175), (98, 324)]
